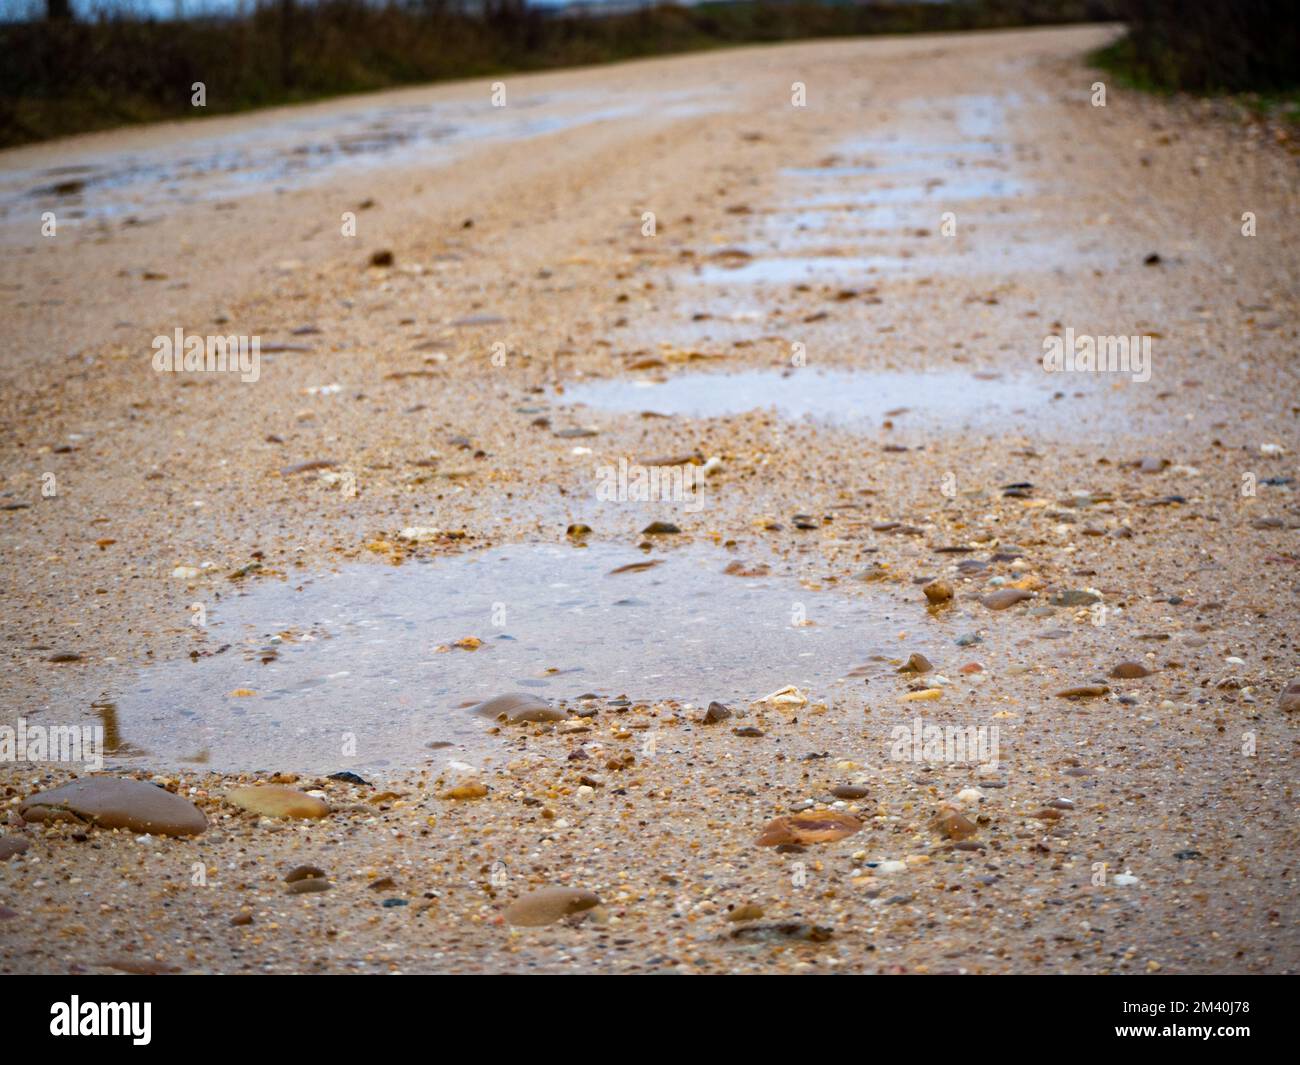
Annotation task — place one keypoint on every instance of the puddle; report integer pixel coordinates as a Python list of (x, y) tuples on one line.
[(984, 114), (911, 147), (797, 271), (297, 150), (354, 653), (846, 219), (843, 218), (922, 164), (935, 190), (845, 215), (948, 399), (818, 263)]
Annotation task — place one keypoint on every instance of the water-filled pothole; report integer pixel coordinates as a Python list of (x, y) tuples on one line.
[(360, 668), (941, 191), (951, 400), (300, 149)]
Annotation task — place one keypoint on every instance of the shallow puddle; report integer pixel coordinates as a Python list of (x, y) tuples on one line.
[(934, 190), (950, 400), (792, 271), (818, 260), (318, 667), (923, 165), (293, 150), (911, 147), (844, 215)]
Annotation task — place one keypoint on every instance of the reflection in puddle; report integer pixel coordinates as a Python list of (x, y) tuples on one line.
[(843, 397), (106, 711), (355, 653)]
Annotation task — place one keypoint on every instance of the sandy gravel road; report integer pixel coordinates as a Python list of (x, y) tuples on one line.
[(810, 288)]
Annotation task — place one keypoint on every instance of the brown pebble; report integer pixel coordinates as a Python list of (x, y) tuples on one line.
[(547, 905), (951, 824), (117, 802), (938, 592), (811, 826), (1130, 671), (1006, 597), (916, 663), (716, 712), (303, 872), (140, 966), (1083, 691), (849, 791), (515, 707), (306, 887), (11, 845), (790, 930)]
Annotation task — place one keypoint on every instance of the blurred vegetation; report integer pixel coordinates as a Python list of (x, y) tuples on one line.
[(60, 76), (1208, 46)]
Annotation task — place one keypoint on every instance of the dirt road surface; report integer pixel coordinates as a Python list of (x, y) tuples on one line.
[(811, 287)]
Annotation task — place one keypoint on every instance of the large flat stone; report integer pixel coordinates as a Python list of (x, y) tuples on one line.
[(117, 802)]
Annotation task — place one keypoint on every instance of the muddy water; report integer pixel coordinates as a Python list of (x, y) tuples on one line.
[(354, 661), (949, 400)]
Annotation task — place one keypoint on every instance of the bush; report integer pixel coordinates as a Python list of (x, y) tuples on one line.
[(1209, 45)]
